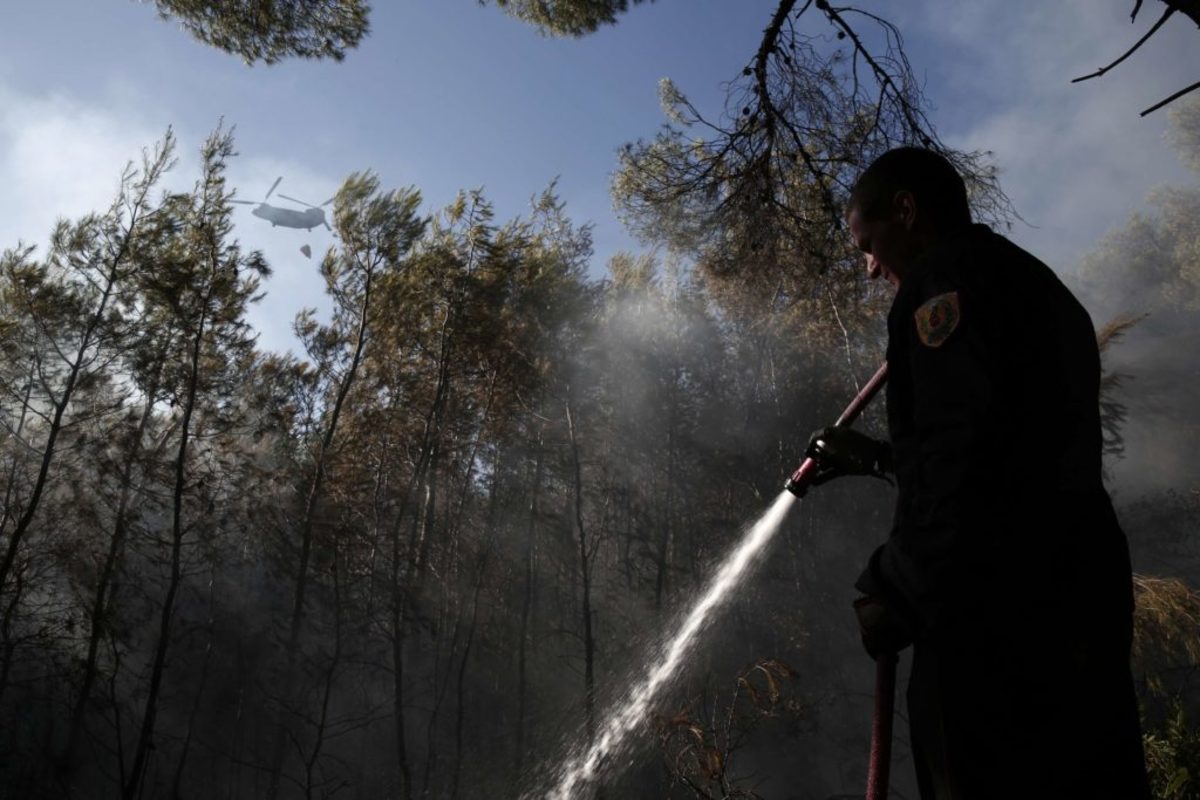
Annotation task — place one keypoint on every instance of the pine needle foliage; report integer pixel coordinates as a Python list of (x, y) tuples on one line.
[(271, 30), (574, 18), (1113, 413)]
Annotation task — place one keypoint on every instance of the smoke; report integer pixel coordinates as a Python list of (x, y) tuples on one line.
[(687, 415), (1146, 269)]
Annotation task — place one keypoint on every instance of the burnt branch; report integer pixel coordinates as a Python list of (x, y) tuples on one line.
[(1153, 30), (1190, 9), (768, 178), (1171, 99)]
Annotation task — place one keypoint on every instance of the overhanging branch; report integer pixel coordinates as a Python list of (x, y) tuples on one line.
[(1153, 30), (1171, 99)]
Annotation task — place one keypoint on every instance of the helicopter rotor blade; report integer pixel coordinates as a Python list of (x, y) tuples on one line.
[(245, 202), (330, 200), (272, 189), (294, 200)]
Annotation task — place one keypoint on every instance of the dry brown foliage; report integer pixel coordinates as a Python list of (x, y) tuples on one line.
[(1166, 629)]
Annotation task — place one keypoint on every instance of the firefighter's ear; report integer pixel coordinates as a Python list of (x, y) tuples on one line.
[(904, 207)]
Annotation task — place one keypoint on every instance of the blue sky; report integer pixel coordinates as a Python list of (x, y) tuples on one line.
[(446, 94)]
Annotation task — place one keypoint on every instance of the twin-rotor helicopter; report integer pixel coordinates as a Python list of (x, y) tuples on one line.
[(311, 217)]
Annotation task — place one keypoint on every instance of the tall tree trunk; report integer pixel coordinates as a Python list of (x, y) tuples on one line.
[(406, 584), (439, 695), (59, 407), (527, 598), (460, 689), (8, 645), (451, 597), (378, 492), (329, 682), (118, 724), (418, 602), (153, 167), (398, 631), (291, 648), (86, 341), (585, 577), (428, 522), (233, 773), (146, 735), (181, 767), (630, 528), (10, 483), (116, 543), (460, 698), (406, 587), (665, 535), (398, 582)]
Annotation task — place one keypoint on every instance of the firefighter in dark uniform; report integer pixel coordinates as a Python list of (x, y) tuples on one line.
[(1005, 568)]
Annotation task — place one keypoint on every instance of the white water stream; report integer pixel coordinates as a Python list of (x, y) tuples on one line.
[(584, 764)]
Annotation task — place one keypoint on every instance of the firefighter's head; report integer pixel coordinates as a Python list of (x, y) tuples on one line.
[(903, 203)]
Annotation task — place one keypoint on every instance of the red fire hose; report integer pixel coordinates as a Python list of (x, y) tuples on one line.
[(799, 482), (881, 727), (885, 665)]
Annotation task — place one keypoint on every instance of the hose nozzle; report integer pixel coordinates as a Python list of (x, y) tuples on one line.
[(802, 478)]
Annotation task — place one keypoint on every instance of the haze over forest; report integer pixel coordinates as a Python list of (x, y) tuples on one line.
[(416, 540)]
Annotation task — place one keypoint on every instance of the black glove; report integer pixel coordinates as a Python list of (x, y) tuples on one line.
[(844, 451), (882, 629)]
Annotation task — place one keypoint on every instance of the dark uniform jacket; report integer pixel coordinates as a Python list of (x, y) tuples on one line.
[(1005, 556)]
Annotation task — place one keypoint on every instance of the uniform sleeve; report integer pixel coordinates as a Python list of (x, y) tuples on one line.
[(942, 467)]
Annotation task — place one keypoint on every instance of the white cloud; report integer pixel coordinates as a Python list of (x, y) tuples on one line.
[(1076, 158), (61, 157)]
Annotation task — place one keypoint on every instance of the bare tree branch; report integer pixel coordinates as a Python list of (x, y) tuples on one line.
[(1171, 99), (1153, 30), (767, 179)]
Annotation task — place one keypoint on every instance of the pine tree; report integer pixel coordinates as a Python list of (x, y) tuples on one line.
[(69, 318), (271, 30), (377, 231), (197, 284)]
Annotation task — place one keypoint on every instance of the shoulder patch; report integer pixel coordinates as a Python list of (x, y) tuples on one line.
[(937, 318)]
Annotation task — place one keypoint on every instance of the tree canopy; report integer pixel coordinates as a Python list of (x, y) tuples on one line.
[(272, 30), (566, 17)]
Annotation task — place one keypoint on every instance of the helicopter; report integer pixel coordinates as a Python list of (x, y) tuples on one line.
[(309, 218)]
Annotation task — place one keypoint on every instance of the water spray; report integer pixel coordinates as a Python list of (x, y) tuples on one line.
[(584, 764)]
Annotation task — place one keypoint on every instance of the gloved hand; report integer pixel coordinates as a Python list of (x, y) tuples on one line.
[(882, 629), (845, 451)]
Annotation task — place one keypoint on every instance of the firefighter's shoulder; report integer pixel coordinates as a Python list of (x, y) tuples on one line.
[(937, 318), (937, 302)]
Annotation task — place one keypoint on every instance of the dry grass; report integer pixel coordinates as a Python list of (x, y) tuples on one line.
[(1166, 628)]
